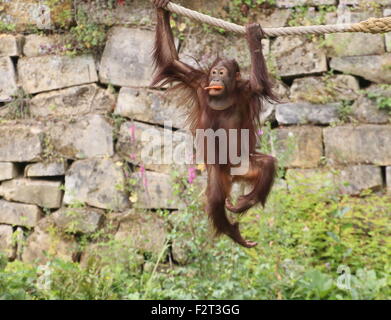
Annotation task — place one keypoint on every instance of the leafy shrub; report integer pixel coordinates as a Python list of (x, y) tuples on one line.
[(304, 237)]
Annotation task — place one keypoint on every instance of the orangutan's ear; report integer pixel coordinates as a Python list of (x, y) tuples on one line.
[(238, 76)]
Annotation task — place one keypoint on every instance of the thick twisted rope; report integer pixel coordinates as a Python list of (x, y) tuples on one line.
[(372, 25)]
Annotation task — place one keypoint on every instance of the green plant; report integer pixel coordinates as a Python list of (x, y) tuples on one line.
[(253, 3), (61, 12), (7, 27), (370, 5), (304, 235), (272, 66), (85, 36), (270, 2), (382, 102), (305, 16), (19, 107), (49, 153), (345, 110), (117, 120), (270, 144)]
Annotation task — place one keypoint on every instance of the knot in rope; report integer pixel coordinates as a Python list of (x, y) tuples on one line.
[(373, 25)]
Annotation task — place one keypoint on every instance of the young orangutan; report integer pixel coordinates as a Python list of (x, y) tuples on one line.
[(221, 99)]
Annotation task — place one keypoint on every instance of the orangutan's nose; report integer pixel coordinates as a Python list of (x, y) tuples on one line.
[(216, 81)]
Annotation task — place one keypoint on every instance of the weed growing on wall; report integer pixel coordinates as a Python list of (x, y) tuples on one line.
[(19, 107), (7, 27), (345, 110), (86, 36), (383, 102)]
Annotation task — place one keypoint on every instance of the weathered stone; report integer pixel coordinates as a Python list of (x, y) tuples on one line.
[(345, 45), (298, 3), (10, 45), (6, 243), (49, 72), (155, 148), (181, 246), (75, 220), (370, 144), (74, 101), (324, 89), (351, 44), (97, 182), (19, 214), (300, 113), (273, 18), (367, 107), (43, 193), (387, 13), (388, 179), (387, 39), (7, 79), (180, 249), (144, 231), (311, 180), (150, 106), (373, 68), (25, 14), (211, 6), (20, 241), (8, 171), (355, 179), (135, 13), (203, 48), (112, 252), (154, 190), (20, 142), (281, 90), (348, 180), (45, 243), (364, 3), (126, 59), (311, 16), (299, 146), (268, 110), (38, 45), (41, 169), (91, 136), (296, 56)]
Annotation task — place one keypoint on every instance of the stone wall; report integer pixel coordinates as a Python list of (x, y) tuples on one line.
[(71, 127)]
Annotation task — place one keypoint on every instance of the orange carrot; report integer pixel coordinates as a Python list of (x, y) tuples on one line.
[(214, 87)]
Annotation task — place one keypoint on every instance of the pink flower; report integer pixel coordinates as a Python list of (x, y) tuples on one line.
[(132, 131), (143, 176), (121, 2), (260, 132), (191, 174)]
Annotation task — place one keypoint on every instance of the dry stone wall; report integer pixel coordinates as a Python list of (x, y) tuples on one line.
[(67, 162)]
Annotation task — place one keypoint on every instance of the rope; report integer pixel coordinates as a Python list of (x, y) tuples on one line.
[(372, 25)]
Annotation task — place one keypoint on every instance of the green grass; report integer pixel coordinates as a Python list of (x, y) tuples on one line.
[(305, 237)]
